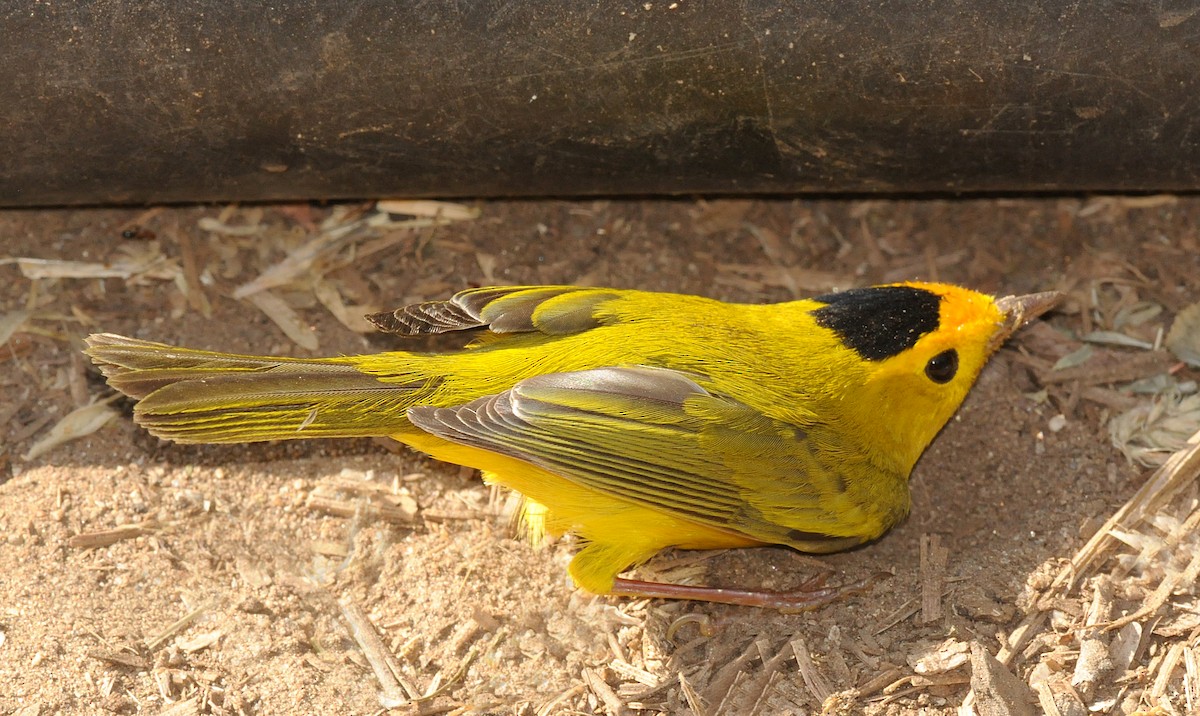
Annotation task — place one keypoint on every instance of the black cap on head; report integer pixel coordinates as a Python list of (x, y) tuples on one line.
[(881, 321)]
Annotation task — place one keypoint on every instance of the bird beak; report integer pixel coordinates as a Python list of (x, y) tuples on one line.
[(1019, 310)]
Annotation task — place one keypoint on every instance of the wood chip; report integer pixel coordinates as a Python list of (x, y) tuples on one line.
[(933, 573), (1191, 682), (634, 673), (338, 550), (445, 210), (604, 692), (139, 221), (941, 658), (694, 702), (1180, 470), (1165, 588), (450, 515), (192, 288), (187, 707), (1166, 671), (1057, 698), (1124, 647), (298, 264), (1094, 665), (816, 684), (997, 692)]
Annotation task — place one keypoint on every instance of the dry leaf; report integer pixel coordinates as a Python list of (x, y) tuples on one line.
[(76, 424), (132, 261), (295, 265), (198, 642), (1112, 338), (1184, 338), (352, 318), (1075, 358), (1149, 433), (10, 323), (487, 265), (287, 319)]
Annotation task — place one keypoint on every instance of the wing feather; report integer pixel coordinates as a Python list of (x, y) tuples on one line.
[(655, 437), (553, 310)]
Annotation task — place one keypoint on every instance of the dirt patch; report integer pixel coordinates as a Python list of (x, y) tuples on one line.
[(228, 593)]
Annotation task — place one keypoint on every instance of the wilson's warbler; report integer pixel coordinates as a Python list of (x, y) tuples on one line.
[(636, 420)]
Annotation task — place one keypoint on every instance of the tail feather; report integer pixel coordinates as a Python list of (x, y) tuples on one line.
[(189, 395)]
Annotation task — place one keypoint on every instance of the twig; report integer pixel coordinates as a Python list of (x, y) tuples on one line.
[(906, 610), (177, 626), (354, 508), (396, 690), (103, 538), (120, 658), (879, 682)]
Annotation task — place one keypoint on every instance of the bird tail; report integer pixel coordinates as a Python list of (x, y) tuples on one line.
[(195, 396)]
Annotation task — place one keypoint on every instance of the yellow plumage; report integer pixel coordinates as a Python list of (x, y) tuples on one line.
[(637, 420)]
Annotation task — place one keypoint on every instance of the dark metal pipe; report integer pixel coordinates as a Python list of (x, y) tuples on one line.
[(200, 100)]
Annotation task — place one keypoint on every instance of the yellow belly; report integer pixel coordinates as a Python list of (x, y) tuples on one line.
[(617, 534)]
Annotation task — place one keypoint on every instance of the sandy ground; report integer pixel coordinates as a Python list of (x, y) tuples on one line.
[(145, 577)]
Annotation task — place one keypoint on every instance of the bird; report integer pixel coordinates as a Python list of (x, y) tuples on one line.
[(636, 420)]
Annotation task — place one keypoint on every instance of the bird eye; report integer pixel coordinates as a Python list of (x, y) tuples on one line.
[(942, 367)]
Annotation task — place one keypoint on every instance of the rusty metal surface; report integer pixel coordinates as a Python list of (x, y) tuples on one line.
[(114, 102)]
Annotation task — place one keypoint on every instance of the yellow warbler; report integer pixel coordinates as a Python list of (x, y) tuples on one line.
[(636, 420)]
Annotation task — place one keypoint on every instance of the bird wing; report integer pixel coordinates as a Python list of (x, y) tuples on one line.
[(657, 438), (553, 310)]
